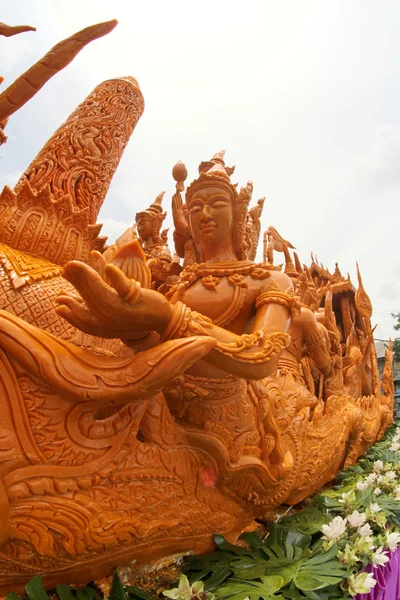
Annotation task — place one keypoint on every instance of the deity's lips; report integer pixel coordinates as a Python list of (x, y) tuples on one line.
[(207, 228)]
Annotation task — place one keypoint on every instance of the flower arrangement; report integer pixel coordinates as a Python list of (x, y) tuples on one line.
[(322, 551), (319, 553)]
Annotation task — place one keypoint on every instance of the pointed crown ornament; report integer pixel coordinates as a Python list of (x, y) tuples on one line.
[(156, 215)]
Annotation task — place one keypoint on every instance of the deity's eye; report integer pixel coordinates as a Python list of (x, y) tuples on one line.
[(220, 204), (195, 208)]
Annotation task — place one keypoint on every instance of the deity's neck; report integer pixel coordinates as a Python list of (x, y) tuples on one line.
[(213, 255)]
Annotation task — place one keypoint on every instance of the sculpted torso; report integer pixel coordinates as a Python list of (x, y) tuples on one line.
[(214, 303)]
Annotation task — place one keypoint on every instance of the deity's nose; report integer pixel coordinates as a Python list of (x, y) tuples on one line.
[(206, 213)]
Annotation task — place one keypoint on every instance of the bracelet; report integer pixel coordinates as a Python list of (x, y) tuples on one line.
[(178, 323), (187, 323), (277, 297), (314, 338), (269, 346)]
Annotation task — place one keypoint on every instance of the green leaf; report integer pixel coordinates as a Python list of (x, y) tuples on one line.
[(239, 590), (134, 593), (219, 575), (13, 596), (332, 592), (64, 592), (35, 590), (223, 544), (87, 593), (250, 568), (309, 521), (292, 593), (298, 539), (327, 502), (319, 571), (117, 591), (252, 539)]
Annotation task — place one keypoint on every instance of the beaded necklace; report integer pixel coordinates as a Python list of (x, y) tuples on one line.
[(211, 274)]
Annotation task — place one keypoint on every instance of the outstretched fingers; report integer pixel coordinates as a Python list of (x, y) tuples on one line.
[(99, 297), (127, 289)]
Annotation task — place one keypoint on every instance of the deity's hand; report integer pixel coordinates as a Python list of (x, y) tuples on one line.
[(125, 310), (73, 308), (180, 222)]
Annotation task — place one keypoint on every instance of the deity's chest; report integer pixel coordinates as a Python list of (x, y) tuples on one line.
[(221, 298)]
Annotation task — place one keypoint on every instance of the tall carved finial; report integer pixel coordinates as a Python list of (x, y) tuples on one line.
[(81, 157), (337, 276), (158, 200), (9, 30), (28, 84), (388, 374), (253, 228), (297, 263), (362, 301)]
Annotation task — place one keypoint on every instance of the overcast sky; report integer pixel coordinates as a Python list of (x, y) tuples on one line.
[(303, 95)]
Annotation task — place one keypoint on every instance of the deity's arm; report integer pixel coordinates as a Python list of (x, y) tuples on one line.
[(316, 340), (252, 355), (132, 313)]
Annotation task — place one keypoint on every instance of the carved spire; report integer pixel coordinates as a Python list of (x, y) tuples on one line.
[(297, 263), (362, 301), (81, 157), (217, 159), (337, 276)]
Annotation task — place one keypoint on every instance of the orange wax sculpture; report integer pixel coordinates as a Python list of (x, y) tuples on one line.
[(147, 404)]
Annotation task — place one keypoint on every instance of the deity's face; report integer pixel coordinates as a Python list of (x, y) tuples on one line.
[(144, 227), (211, 216)]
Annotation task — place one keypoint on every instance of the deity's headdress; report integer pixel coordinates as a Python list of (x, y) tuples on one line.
[(156, 215), (215, 172)]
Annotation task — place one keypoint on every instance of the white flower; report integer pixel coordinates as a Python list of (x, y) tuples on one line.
[(379, 557), (374, 508), (356, 519), (361, 583), (395, 447), (335, 529), (391, 475), (381, 479), (362, 485), (365, 530), (397, 493), (378, 465), (392, 539), (377, 491), (370, 478), (347, 497)]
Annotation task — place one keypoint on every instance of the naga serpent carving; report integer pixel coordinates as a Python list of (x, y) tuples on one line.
[(141, 414)]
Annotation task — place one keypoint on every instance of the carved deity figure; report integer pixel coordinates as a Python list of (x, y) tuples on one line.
[(148, 224), (242, 306)]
